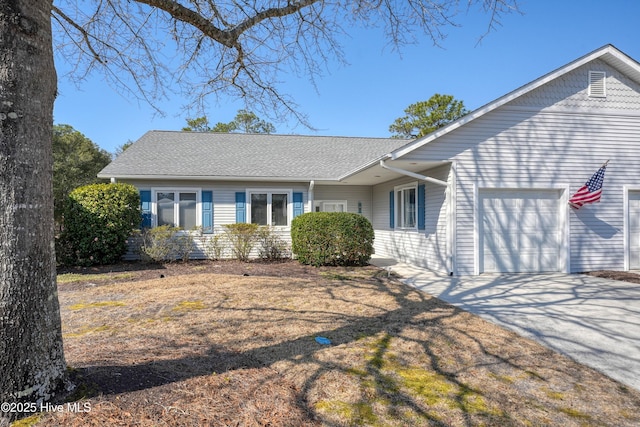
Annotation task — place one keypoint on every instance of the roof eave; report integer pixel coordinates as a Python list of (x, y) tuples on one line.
[(212, 178), (364, 167)]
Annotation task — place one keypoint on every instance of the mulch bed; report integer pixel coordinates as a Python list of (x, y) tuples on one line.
[(146, 271), (286, 268), (624, 276)]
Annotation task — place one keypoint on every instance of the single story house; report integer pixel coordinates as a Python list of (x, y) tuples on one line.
[(487, 193)]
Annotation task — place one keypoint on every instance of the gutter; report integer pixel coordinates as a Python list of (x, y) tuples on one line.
[(214, 178)]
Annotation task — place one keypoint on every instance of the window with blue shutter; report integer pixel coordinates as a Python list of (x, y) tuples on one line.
[(298, 204), (241, 207), (207, 212), (421, 206), (145, 207), (392, 218), (404, 207)]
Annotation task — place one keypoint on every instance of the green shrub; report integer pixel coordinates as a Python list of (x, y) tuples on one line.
[(242, 237), (271, 246), (166, 243), (332, 238), (98, 220)]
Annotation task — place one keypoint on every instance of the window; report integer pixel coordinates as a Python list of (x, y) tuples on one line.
[(177, 208), (166, 208), (269, 207), (406, 206), (187, 211)]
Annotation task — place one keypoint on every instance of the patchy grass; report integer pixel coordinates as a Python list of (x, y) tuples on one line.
[(189, 305), (573, 413), (392, 382), (28, 421), (88, 330), (215, 349), (85, 305)]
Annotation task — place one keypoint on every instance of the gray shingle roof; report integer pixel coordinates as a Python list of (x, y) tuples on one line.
[(228, 155)]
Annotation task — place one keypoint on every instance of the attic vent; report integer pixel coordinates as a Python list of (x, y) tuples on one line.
[(597, 86)]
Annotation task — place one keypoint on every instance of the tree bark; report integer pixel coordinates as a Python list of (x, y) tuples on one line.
[(32, 366)]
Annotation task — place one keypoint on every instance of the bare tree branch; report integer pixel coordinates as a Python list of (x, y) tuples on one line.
[(85, 35), (184, 14), (495, 9), (237, 48)]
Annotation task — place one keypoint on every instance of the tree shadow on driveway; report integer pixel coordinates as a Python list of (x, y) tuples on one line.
[(592, 320)]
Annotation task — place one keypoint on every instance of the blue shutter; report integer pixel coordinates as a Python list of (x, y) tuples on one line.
[(241, 207), (392, 219), (207, 212), (145, 207), (298, 204), (421, 207)]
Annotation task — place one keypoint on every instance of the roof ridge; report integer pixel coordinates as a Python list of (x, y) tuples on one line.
[(269, 134), (184, 154)]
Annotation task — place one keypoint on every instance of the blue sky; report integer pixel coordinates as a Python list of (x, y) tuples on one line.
[(366, 96)]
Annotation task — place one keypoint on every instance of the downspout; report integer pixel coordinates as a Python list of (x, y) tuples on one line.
[(310, 195), (450, 225)]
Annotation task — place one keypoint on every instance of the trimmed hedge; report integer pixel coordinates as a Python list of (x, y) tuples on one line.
[(98, 220), (332, 238)]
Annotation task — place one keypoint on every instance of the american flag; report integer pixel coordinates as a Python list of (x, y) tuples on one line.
[(591, 191)]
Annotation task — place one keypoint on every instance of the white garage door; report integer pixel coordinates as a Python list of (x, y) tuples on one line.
[(634, 230), (519, 231)]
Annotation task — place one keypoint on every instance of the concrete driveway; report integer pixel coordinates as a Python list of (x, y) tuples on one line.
[(592, 320)]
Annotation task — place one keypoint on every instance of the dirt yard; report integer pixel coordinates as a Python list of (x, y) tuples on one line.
[(233, 344)]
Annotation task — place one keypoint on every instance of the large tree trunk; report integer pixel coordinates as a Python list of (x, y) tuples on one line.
[(32, 365)]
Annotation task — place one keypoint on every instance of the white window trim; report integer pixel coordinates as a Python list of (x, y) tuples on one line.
[(154, 202), (321, 203), (397, 208), (626, 224), (269, 191)]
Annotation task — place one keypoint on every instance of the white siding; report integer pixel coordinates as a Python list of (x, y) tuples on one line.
[(224, 193), (224, 206), (426, 248), (519, 148), (554, 137), (353, 194)]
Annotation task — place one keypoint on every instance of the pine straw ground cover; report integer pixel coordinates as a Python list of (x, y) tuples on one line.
[(201, 348)]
